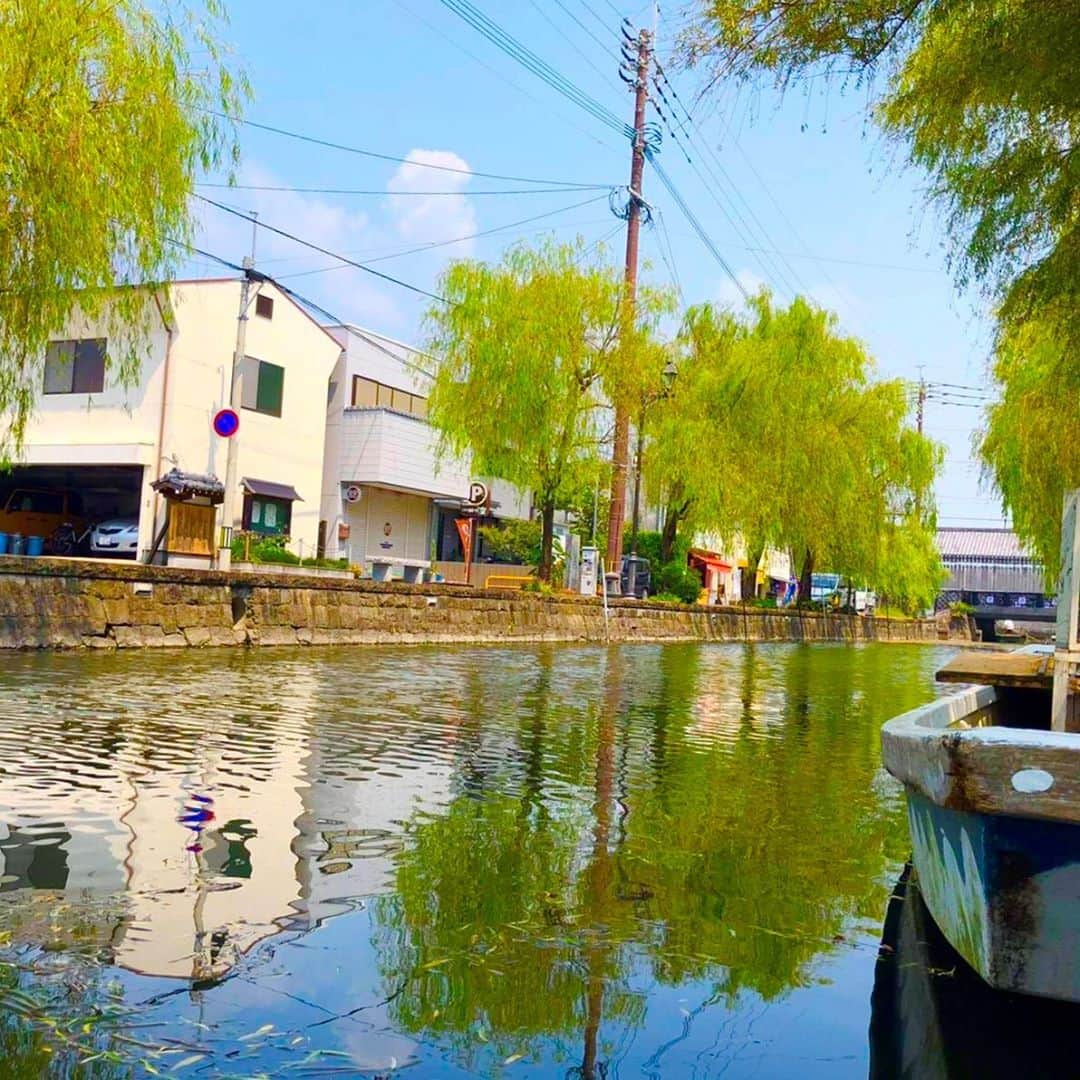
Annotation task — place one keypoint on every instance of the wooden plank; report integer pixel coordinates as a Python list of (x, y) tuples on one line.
[(1065, 704), (1023, 669), (191, 529)]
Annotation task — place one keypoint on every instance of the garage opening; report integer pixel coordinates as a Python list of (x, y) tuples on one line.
[(72, 509)]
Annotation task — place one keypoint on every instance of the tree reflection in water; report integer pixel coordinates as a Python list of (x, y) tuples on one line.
[(676, 831)]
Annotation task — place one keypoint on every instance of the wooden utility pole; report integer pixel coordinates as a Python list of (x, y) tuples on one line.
[(620, 451)]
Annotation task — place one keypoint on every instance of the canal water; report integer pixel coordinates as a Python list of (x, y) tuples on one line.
[(583, 862)]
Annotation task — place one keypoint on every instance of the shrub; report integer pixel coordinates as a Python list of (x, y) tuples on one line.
[(959, 608), (677, 579), (514, 541)]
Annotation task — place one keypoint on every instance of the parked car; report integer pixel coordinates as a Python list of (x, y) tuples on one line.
[(40, 512), (116, 536), (642, 577)]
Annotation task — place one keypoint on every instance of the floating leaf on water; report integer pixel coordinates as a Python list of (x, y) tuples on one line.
[(264, 1030), (189, 1060), (512, 1058)]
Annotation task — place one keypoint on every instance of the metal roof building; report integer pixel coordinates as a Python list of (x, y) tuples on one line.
[(988, 560)]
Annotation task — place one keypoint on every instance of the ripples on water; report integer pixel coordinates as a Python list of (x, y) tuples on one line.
[(580, 862)]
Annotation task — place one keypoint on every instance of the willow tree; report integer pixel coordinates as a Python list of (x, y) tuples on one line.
[(778, 431), (986, 99), (527, 354), (107, 112), (1031, 446)]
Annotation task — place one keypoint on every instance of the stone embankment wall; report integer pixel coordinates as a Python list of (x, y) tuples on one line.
[(64, 604)]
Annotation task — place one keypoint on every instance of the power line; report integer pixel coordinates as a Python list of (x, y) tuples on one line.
[(606, 76), (442, 36), (534, 64), (669, 256), (764, 187), (459, 239), (785, 274), (387, 191), (322, 250), (399, 160), (571, 15), (694, 223)]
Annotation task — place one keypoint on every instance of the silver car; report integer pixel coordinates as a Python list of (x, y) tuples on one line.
[(116, 536)]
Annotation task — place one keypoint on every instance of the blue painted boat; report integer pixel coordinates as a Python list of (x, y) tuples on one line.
[(994, 806)]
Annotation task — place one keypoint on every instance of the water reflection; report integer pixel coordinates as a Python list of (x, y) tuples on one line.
[(934, 1017), (578, 858)]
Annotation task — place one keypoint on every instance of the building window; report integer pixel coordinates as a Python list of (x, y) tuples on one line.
[(264, 306), (264, 386), (75, 367), (272, 517), (369, 394)]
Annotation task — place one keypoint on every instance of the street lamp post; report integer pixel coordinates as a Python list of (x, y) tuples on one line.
[(668, 380)]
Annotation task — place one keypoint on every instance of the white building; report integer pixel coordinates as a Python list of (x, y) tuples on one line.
[(387, 497), (109, 442)]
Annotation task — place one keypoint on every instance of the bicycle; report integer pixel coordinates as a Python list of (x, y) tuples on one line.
[(66, 541)]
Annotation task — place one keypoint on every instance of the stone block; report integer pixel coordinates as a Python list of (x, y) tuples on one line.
[(196, 636)]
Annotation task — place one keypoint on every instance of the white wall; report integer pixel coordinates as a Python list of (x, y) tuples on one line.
[(286, 449), (385, 449), (121, 426)]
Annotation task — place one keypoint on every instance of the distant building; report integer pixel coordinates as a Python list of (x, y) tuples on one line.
[(990, 570), (386, 495)]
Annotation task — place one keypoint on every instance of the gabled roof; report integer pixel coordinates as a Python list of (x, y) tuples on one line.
[(268, 281), (980, 543)]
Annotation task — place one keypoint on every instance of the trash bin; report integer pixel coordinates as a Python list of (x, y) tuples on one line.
[(35, 546), (18, 544), (3, 543)]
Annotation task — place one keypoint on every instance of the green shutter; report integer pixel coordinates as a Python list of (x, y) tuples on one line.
[(271, 388)]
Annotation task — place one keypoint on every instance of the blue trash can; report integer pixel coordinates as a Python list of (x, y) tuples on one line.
[(18, 544), (3, 543), (35, 546)]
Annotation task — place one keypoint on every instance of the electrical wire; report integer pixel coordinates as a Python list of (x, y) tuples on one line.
[(571, 15), (760, 181), (456, 239), (325, 251), (599, 18), (606, 76), (399, 160), (663, 238), (386, 191), (784, 274), (535, 65), (695, 224)]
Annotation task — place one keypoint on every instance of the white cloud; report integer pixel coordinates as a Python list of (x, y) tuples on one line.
[(348, 293), (426, 220), (727, 292)]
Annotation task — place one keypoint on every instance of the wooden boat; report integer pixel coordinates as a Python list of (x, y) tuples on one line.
[(994, 806), (931, 1016), (992, 776)]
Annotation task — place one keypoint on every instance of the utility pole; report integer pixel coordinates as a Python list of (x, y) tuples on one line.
[(920, 401), (621, 448), (236, 397)]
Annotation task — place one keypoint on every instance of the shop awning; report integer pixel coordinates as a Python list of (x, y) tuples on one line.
[(711, 560), (269, 490)]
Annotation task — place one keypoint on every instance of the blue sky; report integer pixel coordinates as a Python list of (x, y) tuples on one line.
[(804, 177)]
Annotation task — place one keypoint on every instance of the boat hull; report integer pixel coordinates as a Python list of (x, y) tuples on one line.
[(995, 827), (1005, 892)]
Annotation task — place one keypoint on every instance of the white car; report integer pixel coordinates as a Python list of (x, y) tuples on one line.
[(117, 536)]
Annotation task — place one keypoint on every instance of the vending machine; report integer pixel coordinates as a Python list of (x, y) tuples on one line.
[(590, 566)]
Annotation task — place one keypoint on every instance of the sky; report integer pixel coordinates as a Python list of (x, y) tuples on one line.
[(798, 193)]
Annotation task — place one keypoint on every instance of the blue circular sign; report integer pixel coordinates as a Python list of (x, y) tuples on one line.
[(226, 423)]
